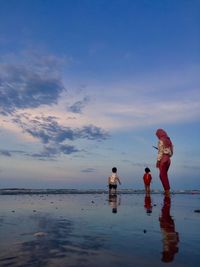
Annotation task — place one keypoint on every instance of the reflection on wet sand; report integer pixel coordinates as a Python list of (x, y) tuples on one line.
[(170, 236), (148, 204), (114, 202), (57, 242), (85, 230)]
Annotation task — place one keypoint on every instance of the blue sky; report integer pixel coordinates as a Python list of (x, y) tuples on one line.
[(85, 84)]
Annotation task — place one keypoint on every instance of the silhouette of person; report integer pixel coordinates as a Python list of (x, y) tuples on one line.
[(148, 204), (114, 202), (170, 236)]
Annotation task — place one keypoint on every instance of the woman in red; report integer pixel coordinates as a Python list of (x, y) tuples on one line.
[(165, 151)]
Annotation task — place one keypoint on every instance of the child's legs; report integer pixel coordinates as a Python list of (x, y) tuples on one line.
[(110, 188), (164, 166), (115, 188), (147, 187)]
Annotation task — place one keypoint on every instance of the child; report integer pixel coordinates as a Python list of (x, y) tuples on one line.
[(147, 180), (112, 180)]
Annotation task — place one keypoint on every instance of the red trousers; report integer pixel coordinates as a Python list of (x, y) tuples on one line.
[(164, 167), (170, 236)]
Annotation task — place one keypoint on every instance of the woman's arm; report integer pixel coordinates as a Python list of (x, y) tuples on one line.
[(160, 150)]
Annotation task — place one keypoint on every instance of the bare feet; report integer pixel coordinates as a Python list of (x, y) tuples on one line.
[(167, 193)]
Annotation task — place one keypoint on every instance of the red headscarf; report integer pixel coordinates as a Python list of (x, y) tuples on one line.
[(162, 135)]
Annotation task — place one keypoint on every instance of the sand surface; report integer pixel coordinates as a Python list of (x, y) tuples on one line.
[(97, 230)]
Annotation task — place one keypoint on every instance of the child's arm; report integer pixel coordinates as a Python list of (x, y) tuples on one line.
[(118, 180)]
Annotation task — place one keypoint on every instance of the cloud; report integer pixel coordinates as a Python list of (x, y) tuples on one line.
[(128, 110), (149, 99), (92, 132), (48, 130), (88, 170), (78, 106), (29, 84), (53, 150), (9, 153), (5, 153), (32, 85), (54, 136)]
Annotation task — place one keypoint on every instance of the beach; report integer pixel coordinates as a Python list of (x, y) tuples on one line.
[(95, 229)]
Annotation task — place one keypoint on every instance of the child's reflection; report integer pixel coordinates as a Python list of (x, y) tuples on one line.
[(170, 236), (114, 202), (148, 204)]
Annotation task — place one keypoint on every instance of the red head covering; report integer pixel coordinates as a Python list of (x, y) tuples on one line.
[(162, 135)]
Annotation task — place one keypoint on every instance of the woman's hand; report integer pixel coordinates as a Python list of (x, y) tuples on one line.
[(157, 164)]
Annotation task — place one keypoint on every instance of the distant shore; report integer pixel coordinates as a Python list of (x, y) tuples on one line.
[(25, 191)]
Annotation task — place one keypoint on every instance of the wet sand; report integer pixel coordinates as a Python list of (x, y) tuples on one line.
[(95, 229)]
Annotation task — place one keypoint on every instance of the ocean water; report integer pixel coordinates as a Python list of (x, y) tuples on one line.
[(99, 230)]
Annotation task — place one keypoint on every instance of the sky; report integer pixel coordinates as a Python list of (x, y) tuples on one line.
[(85, 84)]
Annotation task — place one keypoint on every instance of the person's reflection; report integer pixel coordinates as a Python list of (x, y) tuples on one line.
[(114, 202), (148, 204), (170, 236)]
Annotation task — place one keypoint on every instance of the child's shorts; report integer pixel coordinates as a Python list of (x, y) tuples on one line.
[(114, 186)]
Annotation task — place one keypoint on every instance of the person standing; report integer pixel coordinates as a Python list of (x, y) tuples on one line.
[(147, 180), (165, 151), (113, 180)]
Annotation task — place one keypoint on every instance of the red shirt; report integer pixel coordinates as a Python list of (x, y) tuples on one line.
[(147, 178)]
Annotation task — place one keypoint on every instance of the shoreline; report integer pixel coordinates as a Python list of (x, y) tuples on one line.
[(24, 191)]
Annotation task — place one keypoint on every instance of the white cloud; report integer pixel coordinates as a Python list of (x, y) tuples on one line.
[(167, 98), (119, 114), (172, 97)]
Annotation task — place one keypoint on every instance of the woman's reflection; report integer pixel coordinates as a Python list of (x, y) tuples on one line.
[(148, 204), (114, 202), (170, 236)]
